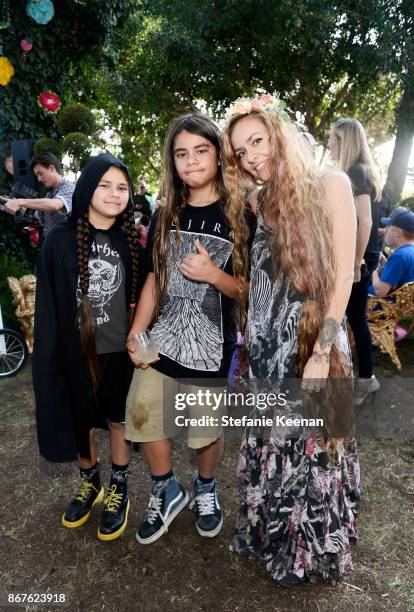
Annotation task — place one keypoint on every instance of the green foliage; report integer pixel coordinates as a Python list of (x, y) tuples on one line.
[(76, 117), (15, 241), (143, 62), (327, 59), (17, 257), (78, 147), (74, 41), (48, 145)]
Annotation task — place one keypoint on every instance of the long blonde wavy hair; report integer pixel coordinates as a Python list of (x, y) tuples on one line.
[(352, 148), (175, 193), (293, 205)]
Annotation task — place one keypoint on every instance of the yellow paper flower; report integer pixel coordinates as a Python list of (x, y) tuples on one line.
[(6, 71)]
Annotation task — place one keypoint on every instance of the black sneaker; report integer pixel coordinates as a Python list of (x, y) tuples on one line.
[(79, 510), (209, 519), (162, 510), (115, 515)]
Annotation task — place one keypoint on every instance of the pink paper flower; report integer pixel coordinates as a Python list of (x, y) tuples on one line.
[(49, 101), (26, 45), (265, 98)]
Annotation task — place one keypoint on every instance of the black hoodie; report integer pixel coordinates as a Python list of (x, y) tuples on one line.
[(60, 373)]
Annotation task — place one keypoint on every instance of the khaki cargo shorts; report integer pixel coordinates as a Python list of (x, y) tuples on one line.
[(151, 414)]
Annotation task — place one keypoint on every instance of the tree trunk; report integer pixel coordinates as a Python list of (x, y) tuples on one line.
[(397, 171)]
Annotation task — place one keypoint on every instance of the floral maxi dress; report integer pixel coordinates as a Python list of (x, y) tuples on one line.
[(298, 495)]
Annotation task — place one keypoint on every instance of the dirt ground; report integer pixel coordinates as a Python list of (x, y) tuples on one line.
[(181, 571)]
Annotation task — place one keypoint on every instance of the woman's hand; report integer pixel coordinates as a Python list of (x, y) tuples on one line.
[(199, 266), (316, 371)]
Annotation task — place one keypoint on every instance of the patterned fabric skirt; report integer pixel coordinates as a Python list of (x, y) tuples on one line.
[(298, 501)]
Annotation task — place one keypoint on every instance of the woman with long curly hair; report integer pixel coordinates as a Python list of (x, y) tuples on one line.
[(88, 282), (349, 148), (297, 489), (196, 253)]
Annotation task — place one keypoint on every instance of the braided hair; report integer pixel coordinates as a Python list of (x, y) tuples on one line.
[(131, 234), (85, 314), (86, 320)]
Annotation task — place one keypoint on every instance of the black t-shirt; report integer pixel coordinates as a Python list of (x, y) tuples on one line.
[(195, 331), (362, 185), (107, 295)]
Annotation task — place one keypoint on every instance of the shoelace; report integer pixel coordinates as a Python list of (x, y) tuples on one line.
[(205, 503), (114, 499), (154, 508), (85, 490)]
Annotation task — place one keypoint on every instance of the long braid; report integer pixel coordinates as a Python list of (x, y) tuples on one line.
[(128, 227), (86, 320)]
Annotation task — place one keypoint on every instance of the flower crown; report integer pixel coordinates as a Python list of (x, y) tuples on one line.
[(243, 106), (272, 103)]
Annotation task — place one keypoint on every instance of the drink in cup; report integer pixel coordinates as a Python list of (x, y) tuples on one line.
[(146, 349)]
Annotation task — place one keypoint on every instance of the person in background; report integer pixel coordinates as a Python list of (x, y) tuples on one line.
[(142, 226), (6, 179), (398, 269), (349, 148), (143, 201), (56, 205), (8, 164)]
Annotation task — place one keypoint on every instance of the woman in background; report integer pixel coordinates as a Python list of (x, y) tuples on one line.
[(349, 148)]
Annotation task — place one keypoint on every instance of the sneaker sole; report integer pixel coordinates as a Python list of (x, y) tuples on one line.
[(210, 534), (85, 517), (167, 523), (107, 537)]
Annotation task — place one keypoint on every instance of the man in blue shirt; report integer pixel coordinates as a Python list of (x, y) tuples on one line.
[(399, 267)]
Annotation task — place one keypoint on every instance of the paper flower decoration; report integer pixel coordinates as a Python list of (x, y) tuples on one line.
[(49, 101), (26, 45), (34, 234), (243, 106), (41, 11), (273, 104), (6, 71)]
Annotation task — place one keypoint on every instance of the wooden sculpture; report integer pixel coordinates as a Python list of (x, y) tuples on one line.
[(24, 290)]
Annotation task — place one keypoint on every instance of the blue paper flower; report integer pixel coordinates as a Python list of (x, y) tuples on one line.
[(41, 11)]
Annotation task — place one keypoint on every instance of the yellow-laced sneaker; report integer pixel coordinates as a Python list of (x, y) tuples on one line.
[(79, 510), (115, 515)]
